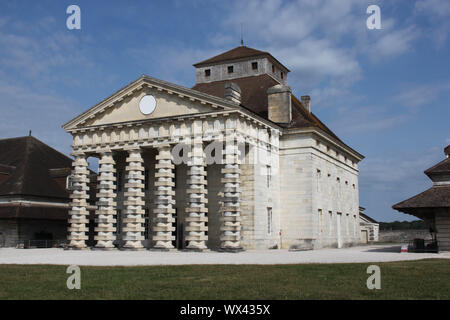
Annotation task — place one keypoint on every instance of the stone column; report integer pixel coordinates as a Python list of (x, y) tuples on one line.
[(197, 199), (164, 211), (133, 219), (79, 214), (231, 197), (105, 215)]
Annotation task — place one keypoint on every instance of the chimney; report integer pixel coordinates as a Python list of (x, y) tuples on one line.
[(306, 101), (447, 151), (233, 92), (279, 103)]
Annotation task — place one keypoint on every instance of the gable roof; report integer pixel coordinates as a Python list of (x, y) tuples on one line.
[(367, 218), (138, 84), (30, 162), (238, 53)]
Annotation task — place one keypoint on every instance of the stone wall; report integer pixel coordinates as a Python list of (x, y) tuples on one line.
[(402, 236), (319, 194), (241, 69)]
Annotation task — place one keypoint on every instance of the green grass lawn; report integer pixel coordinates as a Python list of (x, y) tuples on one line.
[(424, 279)]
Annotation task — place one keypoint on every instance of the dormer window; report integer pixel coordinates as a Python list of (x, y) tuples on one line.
[(207, 72), (254, 65), (230, 69)]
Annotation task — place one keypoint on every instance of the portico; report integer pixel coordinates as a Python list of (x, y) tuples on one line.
[(136, 153)]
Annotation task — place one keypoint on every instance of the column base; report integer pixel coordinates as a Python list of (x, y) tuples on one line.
[(77, 248), (195, 250), (132, 249), (163, 249), (103, 249), (231, 249)]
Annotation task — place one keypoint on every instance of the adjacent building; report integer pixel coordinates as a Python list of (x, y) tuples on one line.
[(33, 198), (433, 205), (369, 227), (235, 162)]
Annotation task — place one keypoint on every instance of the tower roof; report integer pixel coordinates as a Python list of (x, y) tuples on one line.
[(237, 53)]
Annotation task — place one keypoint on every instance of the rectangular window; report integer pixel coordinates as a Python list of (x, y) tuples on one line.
[(269, 175), (254, 65), (273, 69), (230, 69), (269, 220), (207, 72), (69, 182), (282, 75)]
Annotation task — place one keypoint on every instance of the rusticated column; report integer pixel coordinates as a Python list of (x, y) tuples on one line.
[(79, 214), (105, 215), (133, 219), (164, 185), (231, 197), (197, 198)]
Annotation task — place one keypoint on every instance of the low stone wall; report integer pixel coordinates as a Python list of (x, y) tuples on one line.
[(400, 236)]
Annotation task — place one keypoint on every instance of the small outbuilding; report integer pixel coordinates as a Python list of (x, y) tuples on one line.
[(368, 226), (433, 205)]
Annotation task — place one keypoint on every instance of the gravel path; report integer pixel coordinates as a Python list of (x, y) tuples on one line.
[(378, 253)]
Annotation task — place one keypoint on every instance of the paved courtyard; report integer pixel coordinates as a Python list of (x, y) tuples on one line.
[(375, 253)]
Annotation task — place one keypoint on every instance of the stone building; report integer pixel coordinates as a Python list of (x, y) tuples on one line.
[(236, 162), (369, 227), (34, 201), (433, 205)]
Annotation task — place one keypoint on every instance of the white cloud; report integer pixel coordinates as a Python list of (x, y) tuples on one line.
[(420, 95), (393, 43)]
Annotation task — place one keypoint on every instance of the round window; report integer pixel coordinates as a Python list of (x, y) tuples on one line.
[(147, 104)]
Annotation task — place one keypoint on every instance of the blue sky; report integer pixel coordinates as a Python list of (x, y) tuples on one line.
[(384, 92)]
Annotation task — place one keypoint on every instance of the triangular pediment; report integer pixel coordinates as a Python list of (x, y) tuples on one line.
[(171, 101)]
